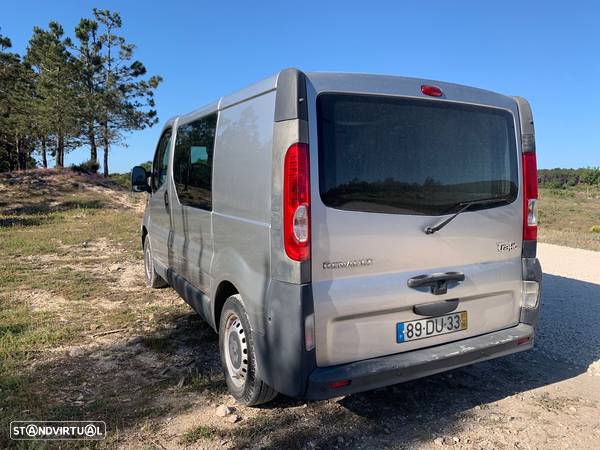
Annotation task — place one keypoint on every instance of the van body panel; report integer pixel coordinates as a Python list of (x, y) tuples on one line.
[(242, 199)]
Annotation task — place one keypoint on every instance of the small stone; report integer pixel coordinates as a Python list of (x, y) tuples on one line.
[(439, 441), (80, 397), (94, 326), (477, 408), (455, 439), (233, 418), (76, 352), (572, 409), (223, 411)]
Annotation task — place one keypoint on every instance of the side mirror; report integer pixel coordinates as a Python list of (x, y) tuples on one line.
[(139, 179)]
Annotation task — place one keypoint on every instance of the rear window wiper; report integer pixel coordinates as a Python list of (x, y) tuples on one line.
[(464, 207)]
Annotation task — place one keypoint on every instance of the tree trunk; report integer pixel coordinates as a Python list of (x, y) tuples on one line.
[(21, 155), (105, 159), (93, 148), (60, 149), (44, 155), (106, 145)]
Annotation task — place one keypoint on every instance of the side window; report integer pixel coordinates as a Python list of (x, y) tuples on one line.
[(193, 160), (161, 161)]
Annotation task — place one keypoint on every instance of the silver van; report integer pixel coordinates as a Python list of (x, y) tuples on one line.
[(344, 232)]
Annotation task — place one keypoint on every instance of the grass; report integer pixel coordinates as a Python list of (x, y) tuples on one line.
[(200, 432), (56, 235), (570, 217)]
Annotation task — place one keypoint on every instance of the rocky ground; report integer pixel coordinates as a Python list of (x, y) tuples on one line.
[(81, 337)]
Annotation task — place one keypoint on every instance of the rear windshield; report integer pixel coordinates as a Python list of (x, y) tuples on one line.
[(405, 156)]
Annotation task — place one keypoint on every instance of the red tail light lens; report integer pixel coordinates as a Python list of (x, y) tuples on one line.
[(530, 195), (433, 91), (296, 203)]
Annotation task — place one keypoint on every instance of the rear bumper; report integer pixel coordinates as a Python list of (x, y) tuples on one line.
[(393, 369)]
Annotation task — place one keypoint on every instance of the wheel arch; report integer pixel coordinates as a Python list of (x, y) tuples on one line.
[(224, 290)]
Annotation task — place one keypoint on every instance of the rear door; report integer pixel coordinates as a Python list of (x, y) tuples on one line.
[(384, 169)]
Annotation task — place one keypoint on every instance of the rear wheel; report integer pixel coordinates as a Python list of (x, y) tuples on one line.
[(153, 279), (238, 358)]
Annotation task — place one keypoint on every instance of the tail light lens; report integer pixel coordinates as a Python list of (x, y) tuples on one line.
[(296, 203), (530, 196)]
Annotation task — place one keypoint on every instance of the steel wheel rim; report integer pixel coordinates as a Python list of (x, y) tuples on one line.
[(236, 350)]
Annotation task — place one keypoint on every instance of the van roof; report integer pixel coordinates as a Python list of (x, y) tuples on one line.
[(351, 82)]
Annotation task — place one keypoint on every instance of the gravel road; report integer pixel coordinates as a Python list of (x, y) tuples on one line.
[(570, 323)]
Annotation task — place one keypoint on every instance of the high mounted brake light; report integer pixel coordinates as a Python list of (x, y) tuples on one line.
[(296, 203), (433, 91)]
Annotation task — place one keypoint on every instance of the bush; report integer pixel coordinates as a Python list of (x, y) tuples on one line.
[(563, 178), (595, 229), (86, 167)]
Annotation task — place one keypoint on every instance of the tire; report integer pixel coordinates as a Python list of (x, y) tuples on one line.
[(236, 347), (153, 279)]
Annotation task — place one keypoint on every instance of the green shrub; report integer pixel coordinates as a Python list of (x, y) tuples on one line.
[(595, 229)]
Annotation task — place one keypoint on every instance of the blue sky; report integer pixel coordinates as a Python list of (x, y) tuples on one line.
[(548, 52)]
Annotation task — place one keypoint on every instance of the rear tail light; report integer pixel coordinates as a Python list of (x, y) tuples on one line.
[(530, 195), (296, 203)]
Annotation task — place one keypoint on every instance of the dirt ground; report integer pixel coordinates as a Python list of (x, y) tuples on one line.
[(81, 337)]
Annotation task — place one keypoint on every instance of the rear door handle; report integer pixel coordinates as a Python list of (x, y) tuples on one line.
[(167, 200), (437, 282)]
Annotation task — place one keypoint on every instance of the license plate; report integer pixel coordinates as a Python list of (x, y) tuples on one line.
[(434, 326)]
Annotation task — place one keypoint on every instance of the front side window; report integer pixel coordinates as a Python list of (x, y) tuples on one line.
[(161, 160), (409, 156), (193, 160)]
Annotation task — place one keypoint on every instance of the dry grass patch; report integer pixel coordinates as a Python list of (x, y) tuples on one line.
[(569, 216)]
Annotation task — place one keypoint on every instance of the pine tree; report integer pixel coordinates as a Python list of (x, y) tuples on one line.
[(127, 99), (57, 107), (89, 65), (16, 109)]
